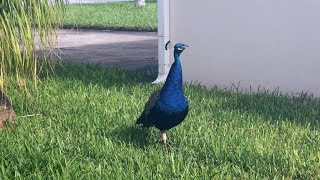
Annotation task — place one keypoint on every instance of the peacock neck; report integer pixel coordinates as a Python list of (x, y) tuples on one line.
[(174, 79)]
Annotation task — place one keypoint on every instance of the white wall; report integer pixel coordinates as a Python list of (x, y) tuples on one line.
[(272, 43)]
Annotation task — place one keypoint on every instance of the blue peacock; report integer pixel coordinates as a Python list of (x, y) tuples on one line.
[(168, 107)]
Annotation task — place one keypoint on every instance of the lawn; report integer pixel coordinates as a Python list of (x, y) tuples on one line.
[(86, 130), (112, 16)]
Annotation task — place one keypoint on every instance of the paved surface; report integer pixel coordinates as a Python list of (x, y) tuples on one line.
[(130, 50)]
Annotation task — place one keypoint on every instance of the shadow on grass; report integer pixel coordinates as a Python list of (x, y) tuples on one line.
[(103, 76), (134, 135), (274, 106)]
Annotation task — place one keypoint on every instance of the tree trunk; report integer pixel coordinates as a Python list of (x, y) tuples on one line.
[(140, 3), (7, 114)]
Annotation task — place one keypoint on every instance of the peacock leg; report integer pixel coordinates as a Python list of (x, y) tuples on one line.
[(164, 137)]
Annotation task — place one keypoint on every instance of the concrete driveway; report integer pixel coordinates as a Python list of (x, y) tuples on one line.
[(129, 50)]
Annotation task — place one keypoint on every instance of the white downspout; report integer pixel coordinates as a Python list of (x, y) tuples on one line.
[(163, 38)]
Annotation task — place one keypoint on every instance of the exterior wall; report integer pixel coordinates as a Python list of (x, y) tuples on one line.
[(271, 43)]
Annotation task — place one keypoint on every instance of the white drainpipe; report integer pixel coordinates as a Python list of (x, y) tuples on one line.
[(163, 38)]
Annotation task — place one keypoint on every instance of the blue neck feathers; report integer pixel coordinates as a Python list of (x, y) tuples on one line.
[(173, 83)]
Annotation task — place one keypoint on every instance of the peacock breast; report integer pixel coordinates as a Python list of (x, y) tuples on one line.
[(172, 103)]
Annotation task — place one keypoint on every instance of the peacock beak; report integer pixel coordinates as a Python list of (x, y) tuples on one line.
[(184, 47)]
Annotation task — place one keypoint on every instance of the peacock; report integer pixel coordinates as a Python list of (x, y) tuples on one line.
[(168, 107)]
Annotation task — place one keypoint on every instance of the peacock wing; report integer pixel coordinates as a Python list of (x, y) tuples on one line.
[(152, 102)]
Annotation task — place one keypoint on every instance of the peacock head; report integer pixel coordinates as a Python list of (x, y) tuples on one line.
[(179, 47)]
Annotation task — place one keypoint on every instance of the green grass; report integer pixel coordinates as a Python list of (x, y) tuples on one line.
[(112, 16), (86, 130)]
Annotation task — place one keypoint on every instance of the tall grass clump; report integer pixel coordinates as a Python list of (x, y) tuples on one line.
[(21, 22)]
